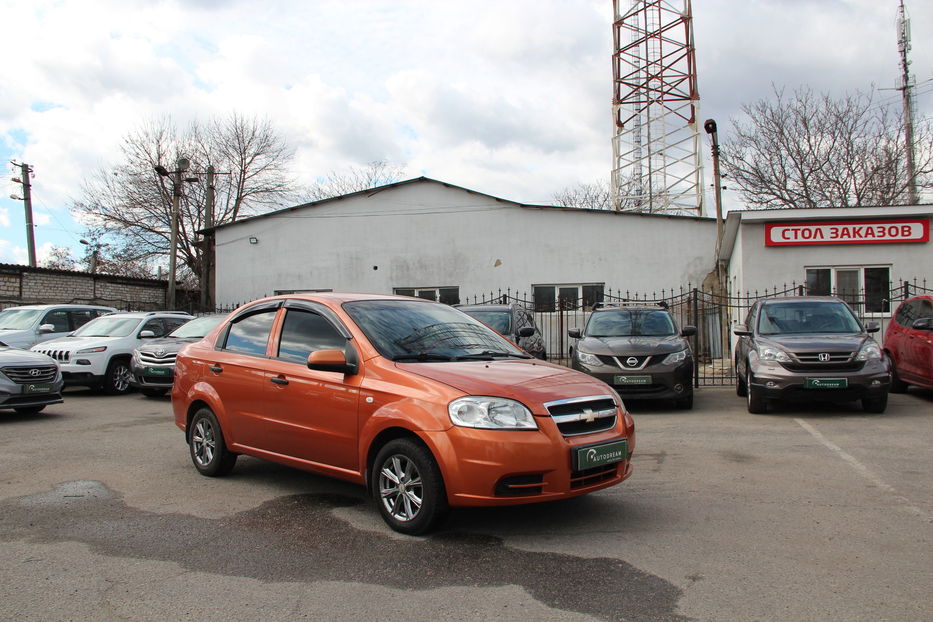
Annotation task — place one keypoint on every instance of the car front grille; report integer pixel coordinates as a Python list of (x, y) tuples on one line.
[(30, 374), (583, 415), (151, 358), (833, 362), (62, 356), (590, 477), (622, 361)]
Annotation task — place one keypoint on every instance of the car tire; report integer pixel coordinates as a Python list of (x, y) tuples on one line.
[(741, 389), (875, 404), (29, 410), (209, 452), (897, 385), (756, 402), (422, 501), (153, 392), (685, 403), (117, 379)]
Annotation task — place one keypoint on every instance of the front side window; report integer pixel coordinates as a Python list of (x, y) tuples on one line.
[(250, 334), (304, 332), (800, 318), (58, 319)]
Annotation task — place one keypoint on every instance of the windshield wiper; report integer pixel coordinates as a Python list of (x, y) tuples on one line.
[(488, 355), (423, 356)]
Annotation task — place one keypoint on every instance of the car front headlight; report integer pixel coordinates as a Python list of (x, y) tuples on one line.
[(491, 413), (587, 359), (869, 352), (675, 357), (771, 354), (92, 350)]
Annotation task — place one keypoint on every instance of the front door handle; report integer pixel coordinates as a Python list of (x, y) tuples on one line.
[(281, 381), (216, 369)]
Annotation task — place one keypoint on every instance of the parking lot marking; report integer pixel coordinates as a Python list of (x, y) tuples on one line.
[(861, 468)]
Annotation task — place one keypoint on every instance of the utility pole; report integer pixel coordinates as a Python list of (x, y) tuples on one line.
[(180, 167), (25, 172), (206, 254), (903, 46)]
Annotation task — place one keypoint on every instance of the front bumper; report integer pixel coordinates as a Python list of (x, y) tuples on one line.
[(654, 382), (84, 369), (13, 395), (493, 467), (152, 376), (776, 382)]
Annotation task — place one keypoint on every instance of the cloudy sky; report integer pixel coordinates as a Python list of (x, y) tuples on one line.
[(507, 97)]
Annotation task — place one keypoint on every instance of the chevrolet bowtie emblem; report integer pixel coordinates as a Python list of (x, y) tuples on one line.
[(588, 415)]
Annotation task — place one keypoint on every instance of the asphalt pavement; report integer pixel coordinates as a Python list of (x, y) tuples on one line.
[(811, 512)]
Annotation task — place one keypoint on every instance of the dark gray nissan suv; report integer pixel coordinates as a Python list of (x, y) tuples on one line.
[(809, 348)]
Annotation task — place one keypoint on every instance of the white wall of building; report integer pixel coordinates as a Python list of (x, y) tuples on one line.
[(425, 233)]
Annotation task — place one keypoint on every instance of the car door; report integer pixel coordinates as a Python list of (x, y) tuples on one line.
[(919, 343), (236, 371), (313, 413)]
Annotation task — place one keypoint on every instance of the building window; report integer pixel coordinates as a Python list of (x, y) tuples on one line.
[(445, 295), (568, 297), (866, 288)]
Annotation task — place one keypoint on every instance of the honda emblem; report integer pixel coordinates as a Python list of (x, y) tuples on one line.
[(824, 357)]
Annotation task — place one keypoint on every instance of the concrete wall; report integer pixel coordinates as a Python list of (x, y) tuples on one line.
[(427, 234), (24, 285)]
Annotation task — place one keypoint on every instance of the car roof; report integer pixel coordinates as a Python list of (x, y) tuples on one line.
[(335, 297), (801, 299), (144, 314), (56, 306)]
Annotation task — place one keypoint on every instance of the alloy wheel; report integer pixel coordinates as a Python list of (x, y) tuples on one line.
[(400, 487), (203, 442)]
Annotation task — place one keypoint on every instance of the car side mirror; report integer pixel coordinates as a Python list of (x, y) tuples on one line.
[(741, 330), (923, 323), (47, 328), (146, 334), (526, 331), (331, 360), (574, 332), (872, 327), (688, 331)]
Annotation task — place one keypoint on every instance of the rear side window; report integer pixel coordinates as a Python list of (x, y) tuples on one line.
[(82, 317), (250, 334), (304, 332)]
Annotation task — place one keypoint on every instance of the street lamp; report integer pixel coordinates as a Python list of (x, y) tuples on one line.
[(95, 249)]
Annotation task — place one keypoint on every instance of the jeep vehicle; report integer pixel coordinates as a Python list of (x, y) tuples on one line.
[(28, 381), (809, 348), (24, 327), (426, 406), (98, 354), (513, 321), (638, 350)]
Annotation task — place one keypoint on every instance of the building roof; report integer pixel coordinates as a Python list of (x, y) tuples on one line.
[(420, 180)]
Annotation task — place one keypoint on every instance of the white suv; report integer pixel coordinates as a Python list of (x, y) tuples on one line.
[(23, 327), (98, 354)]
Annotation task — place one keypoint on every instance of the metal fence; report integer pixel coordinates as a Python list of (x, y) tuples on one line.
[(711, 313)]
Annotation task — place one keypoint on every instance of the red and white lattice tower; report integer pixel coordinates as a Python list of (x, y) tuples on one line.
[(657, 165)]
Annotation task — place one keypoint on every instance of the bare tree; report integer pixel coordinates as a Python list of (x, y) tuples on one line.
[(59, 258), (371, 175), (596, 195), (810, 150), (130, 205)]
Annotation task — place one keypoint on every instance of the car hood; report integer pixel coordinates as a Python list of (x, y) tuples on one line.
[(16, 336), (71, 343), (527, 381), (167, 344), (815, 343), (631, 346), (16, 356)]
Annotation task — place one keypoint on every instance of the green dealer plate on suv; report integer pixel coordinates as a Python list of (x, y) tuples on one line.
[(159, 371), (825, 383), (599, 455), (37, 388), (630, 380)]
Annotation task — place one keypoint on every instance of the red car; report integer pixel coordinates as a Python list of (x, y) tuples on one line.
[(908, 342)]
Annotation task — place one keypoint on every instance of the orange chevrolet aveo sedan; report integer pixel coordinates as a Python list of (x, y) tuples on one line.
[(424, 405)]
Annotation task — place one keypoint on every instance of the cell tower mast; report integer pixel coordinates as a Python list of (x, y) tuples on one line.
[(903, 46), (655, 106)]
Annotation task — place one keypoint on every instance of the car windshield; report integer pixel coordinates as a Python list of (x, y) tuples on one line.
[(796, 318), (497, 320), (110, 326), (18, 319), (630, 323), (404, 330), (197, 327)]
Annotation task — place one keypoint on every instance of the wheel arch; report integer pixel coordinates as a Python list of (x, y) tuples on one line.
[(381, 440)]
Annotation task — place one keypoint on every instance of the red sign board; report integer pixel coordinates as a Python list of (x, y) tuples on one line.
[(847, 232)]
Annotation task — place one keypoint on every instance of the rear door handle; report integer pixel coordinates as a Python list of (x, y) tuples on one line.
[(282, 381), (216, 369)]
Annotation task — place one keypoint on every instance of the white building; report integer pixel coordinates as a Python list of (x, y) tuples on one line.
[(428, 238)]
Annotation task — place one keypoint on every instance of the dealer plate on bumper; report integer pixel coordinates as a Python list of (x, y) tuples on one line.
[(630, 380), (159, 371), (37, 388), (825, 383), (599, 455)]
